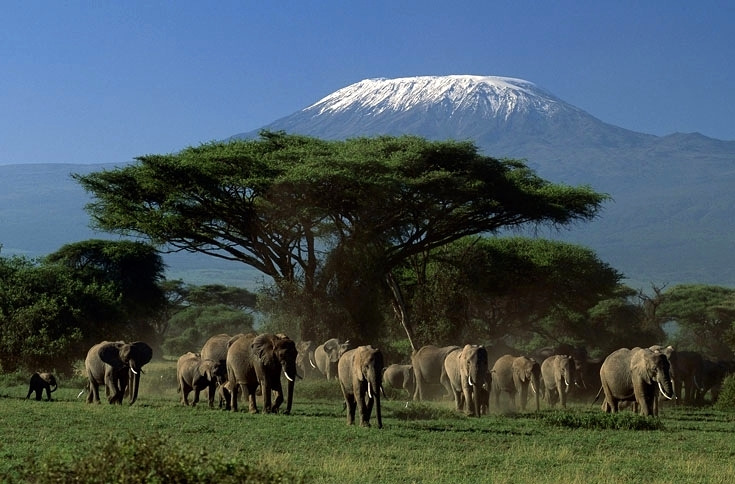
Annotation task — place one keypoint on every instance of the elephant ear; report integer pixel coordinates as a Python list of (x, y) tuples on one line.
[(138, 351), (110, 354), (330, 345), (262, 348)]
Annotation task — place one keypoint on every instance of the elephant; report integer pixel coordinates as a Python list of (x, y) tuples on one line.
[(117, 365), (305, 361), (428, 369), (224, 391), (637, 375), (558, 373), (360, 373), (467, 371), (254, 361), (713, 373), (688, 375), (41, 381), (400, 376), (513, 375), (327, 354), (215, 348), (195, 374)]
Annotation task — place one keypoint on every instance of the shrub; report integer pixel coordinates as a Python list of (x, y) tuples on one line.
[(602, 421), (152, 460), (726, 399)]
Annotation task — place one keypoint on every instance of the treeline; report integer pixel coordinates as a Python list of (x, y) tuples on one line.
[(387, 241)]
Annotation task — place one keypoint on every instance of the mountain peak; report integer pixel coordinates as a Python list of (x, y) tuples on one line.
[(487, 96)]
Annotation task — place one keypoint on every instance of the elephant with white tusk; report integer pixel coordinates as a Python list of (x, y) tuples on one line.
[(360, 373), (514, 375), (637, 375), (305, 361), (117, 365), (467, 370), (254, 361), (558, 373)]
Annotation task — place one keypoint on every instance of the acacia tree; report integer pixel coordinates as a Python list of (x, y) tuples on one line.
[(705, 316), (480, 289), (321, 215)]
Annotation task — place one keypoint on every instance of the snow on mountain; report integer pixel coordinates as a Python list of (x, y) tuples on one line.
[(487, 96)]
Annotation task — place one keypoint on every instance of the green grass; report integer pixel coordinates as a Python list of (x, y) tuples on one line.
[(159, 440)]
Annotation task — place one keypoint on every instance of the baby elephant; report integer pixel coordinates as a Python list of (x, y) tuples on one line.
[(195, 374), (40, 382)]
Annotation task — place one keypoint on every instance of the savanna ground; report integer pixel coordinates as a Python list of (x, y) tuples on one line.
[(67, 440)]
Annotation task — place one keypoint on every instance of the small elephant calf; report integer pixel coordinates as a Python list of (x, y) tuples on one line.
[(40, 382)]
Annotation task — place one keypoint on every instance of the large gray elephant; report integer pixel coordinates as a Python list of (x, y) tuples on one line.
[(196, 374), (688, 375), (400, 377), (305, 361), (514, 375), (117, 365), (254, 361), (637, 375), (40, 382), (713, 373), (467, 371), (215, 348), (360, 373), (327, 354), (559, 374), (428, 369)]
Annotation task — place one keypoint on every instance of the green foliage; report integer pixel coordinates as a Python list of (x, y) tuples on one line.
[(327, 220), (602, 421), (151, 459), (726, 398), (479, 289), (425, 411), (53, 309), (705, 316)]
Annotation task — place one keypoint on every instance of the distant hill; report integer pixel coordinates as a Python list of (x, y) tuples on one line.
[(670, 222), (42, 208)]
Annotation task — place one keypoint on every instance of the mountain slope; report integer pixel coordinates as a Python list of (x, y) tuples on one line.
[(670, 219)]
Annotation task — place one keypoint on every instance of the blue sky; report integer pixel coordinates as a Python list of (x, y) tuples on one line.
[(105, 81)]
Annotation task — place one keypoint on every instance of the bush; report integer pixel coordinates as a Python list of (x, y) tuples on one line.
[(726, 399), (602, 421), (152, 460)]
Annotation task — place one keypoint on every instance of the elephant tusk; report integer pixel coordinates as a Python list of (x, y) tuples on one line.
[(661, 389), (370, 393), (133, 370), (311, 363), (80, 394), (566, 382), (533, 387), (287, 377), (469, 380)]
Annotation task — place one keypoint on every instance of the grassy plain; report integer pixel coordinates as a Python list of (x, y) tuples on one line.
[(421, 443)]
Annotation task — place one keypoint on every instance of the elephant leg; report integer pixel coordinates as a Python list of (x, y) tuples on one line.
[(366, 408), (252, 403), (351, 406), (196, 396)]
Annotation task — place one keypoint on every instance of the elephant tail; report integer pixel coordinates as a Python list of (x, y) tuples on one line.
[(599, 392)]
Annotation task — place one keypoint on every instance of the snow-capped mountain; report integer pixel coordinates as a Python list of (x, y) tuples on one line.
[(671, 218), (486, 96)]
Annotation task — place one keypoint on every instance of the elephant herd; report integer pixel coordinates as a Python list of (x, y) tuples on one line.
[(635, 375), (253, 364)]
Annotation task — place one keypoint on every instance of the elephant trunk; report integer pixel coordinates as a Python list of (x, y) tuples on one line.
[(378, 413), (53, 388)]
